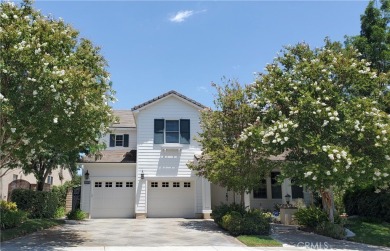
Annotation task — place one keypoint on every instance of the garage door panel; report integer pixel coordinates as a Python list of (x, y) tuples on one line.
[(113, 202), (171, 202)]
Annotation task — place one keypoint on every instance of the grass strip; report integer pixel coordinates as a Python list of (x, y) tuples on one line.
[(259, 241), (28, 227), (370, 231)]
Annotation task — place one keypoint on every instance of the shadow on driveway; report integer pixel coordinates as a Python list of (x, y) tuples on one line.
[(48, 239), (204, 226)]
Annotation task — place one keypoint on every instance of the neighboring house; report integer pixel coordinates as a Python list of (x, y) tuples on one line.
[(56, 178), (143, 172)]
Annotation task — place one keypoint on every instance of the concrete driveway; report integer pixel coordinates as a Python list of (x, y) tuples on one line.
[(125, 232)]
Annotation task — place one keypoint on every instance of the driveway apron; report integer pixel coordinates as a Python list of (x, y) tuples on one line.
[(126, 232)]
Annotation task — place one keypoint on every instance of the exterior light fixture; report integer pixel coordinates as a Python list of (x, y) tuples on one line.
[(142, 175), (86, 175), (287, 198)]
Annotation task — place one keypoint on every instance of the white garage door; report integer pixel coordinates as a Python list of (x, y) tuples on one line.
[(113, 199), (167, 199)]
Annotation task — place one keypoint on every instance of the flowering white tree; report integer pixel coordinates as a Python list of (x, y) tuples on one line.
[(54, 91), (321, 107), (227, 160)]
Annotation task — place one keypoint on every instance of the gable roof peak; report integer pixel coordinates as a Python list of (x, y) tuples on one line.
[(172, 92)]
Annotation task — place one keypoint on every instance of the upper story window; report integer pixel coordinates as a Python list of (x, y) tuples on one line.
[(171, 131), (119, 140)]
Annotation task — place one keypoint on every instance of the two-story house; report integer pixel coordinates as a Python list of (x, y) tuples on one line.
[(143, 172)]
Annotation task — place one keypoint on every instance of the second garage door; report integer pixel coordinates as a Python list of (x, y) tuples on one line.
[(113, 199), (171, 199)]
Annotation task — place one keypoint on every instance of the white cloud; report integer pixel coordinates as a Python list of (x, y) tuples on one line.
[(181, 16)]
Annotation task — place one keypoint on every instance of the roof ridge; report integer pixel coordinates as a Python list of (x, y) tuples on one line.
[(165, 95)]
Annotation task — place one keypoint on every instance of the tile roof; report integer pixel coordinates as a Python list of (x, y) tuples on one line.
[(165, 95), (111, 156), (126, 119)]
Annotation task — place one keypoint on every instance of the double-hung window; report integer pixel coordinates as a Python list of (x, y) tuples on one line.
[(119, 140), (261, 191), (171, 131)]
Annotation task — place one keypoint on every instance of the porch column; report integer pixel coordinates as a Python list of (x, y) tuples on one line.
[(206, 199)]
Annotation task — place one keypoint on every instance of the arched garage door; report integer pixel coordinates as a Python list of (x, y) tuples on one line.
[(171, 199), (113, 199)]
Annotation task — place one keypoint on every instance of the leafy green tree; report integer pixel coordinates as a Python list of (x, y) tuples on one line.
[(374, 39), (320, 107), (54, 92), (373, 42), (226, 159)]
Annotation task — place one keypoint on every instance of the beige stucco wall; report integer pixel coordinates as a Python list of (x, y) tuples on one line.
[(9, 177)]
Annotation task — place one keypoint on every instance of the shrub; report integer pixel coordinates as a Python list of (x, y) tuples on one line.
[(233, 222), (61, 192), (37, 204), (8, 206), (223, 209), (237, 221), (10, 215), (329, 229), (311, 216), (256, 222), (76, 215), (365, 202), (60, 212)]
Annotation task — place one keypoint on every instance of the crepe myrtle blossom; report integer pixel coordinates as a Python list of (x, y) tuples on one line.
[(307, 174)]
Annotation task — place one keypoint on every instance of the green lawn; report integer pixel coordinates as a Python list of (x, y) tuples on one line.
[(30, 226), (370, 231), (258, 241)]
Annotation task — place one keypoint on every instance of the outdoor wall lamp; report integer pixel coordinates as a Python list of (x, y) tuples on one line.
[(142, 175), (287, 198), (86, 175)]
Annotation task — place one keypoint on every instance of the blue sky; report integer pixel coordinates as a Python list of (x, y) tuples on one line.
[(156, 46)]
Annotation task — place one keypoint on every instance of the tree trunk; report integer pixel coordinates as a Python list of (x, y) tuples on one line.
[(328, 202), (243, 198), (40, 184), (41, 172)]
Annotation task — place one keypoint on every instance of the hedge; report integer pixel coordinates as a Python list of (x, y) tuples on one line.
[(38, 204), (365, 202)]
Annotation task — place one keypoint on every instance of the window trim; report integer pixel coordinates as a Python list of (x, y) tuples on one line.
[(160, 131), (125, 139)]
